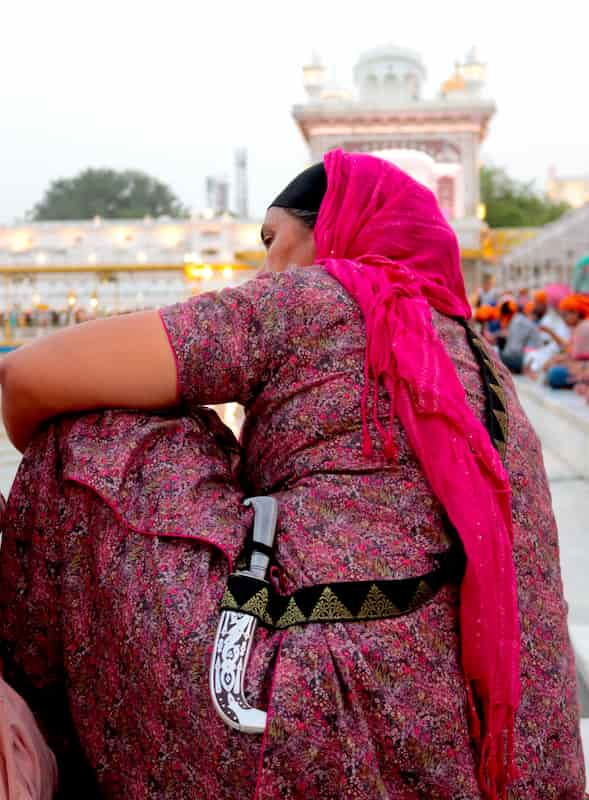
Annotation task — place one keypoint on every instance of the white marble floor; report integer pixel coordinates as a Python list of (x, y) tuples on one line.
[(570, 501)]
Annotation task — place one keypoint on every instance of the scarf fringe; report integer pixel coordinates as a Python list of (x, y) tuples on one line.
[(496, 767), (387, 435)]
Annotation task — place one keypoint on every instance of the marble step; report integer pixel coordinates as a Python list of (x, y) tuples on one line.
[(561, 420)]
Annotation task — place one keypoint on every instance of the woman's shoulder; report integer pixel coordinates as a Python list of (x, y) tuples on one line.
[(314, 276), (299, 288)]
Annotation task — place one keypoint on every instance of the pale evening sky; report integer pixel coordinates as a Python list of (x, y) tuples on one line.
[(173, 87)]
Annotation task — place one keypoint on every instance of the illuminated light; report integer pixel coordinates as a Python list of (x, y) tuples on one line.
[(71, 299), (94, 302), (249, 237), (171, 237), (141, 257), (481, 211), (41, 259), (190, 258), (124, 235), (208, 213), (192, 272), (207, 272), (21, 241), (227, 273), (36, 299), (92, 258)]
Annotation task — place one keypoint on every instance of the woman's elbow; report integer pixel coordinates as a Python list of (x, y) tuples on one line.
[(21, 407)]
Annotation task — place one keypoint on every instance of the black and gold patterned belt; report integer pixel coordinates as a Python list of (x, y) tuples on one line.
[(345, 601)]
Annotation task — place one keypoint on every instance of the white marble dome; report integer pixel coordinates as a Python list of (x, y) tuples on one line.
[(389, 75)]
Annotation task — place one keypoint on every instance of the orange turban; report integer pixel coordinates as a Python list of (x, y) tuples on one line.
[(529, 308), (576, 302), (541, 297), (486, 313)]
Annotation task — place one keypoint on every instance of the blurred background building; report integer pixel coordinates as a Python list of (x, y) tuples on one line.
[(435, 139), (112, 266), (56, 270), (571, 189)]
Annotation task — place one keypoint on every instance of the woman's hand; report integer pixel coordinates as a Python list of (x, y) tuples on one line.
[(123, 362)]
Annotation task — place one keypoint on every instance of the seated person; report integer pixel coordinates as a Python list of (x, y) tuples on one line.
[(571, 366), (521, 334), (555, 332), (486, 315), (485, 295)]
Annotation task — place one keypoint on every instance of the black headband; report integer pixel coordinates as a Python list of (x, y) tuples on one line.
[(306, 191)]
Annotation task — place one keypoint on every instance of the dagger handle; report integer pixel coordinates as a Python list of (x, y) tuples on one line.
[(265, 517)]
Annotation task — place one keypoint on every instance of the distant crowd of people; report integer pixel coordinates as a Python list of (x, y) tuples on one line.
[(40, 320), (543, 334)]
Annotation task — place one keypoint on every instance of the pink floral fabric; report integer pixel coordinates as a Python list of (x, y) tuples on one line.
[(118, 540)]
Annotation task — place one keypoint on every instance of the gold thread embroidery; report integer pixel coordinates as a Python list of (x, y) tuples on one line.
[(258, 604), (377, 605), (328, 607), (228, 600), (292, 615), (422, 594)]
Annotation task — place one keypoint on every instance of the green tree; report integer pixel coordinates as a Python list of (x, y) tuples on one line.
[(515, 204), (107, 193)]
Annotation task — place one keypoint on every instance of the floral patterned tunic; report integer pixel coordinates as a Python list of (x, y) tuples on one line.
[(122, 527)]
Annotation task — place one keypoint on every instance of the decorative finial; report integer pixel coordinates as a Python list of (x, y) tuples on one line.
[(314, 75)]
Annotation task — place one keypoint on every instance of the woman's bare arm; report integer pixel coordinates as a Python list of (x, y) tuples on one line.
[(123, 362)]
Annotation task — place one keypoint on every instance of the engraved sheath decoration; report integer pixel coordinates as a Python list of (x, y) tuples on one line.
[(236, 629)]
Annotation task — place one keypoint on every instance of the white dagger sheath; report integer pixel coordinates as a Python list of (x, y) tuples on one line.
[(235, 634)]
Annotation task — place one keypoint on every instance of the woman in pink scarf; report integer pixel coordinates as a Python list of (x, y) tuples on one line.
[(365, 418)]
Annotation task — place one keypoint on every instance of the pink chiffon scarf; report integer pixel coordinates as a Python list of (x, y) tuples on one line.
[(383, 237)]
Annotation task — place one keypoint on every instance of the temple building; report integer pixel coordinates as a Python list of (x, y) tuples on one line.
[(436, 140), (111, 266)]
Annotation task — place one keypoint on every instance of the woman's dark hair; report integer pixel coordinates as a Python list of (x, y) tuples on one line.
[(308, 218)]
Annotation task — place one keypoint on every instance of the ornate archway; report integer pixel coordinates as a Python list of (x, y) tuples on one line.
[(440, 150)]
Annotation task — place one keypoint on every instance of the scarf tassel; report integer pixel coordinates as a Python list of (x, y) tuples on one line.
[(388, 436), (496, 767)]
